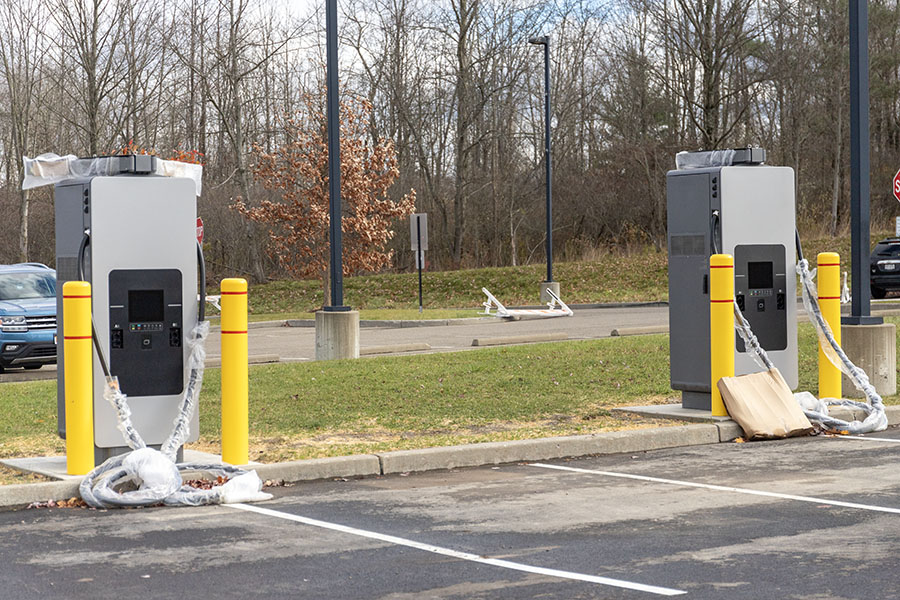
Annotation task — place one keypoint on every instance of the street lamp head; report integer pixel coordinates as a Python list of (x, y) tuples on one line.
[(541, 41)]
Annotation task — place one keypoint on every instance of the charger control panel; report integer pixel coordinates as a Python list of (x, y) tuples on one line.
[(145, 331)]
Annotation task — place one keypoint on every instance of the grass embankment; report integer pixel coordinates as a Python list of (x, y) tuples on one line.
[(637, 277), (307, 410), (612, 278)]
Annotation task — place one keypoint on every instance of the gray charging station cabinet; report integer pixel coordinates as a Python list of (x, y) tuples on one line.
[(746, 210), (141, 262)]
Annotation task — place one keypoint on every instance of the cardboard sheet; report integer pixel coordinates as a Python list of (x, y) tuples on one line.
[(763, 405)]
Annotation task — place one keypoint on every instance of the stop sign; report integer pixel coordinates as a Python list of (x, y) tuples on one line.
[(897, 186), (199, 230)]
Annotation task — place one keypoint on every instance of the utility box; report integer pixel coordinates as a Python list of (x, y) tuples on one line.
[(132, 236), (746, 209)]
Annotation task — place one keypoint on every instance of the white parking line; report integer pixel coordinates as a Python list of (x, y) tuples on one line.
[(861, 437), (723, 488), (662, 591)]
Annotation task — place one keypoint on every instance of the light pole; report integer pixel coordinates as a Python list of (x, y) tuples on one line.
[(334, 161), (545, 42), (859, 167), (337, 326)]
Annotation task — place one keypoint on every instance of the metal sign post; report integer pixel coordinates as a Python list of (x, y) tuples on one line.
[(418, 234)]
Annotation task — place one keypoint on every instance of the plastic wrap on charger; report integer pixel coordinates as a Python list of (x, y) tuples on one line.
[(156, 477), (244, 486), (119, 401), (49, 169), (196, 360), (702, 160), (751, 343), (158, 481), (154, 472), (876, 419)]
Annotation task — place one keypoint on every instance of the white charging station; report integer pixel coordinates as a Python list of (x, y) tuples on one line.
[(744, 208), (132, 235)]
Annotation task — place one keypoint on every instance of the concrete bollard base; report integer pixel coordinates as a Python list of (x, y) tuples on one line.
[(554, 287), (337, 334), (873, 348)]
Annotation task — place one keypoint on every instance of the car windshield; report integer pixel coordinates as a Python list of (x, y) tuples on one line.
[(887, 249), (24, 286)]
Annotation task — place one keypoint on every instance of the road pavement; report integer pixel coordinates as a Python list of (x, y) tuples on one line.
[(805, 518), (272, 341), (299, 343)]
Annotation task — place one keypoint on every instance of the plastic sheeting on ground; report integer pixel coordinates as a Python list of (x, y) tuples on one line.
[(153, 473)]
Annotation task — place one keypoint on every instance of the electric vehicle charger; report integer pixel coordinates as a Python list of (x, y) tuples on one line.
[(142, 214), (815, 409), (156, 473)]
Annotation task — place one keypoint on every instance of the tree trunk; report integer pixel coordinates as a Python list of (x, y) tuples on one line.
[(836, 170), (23, 224)]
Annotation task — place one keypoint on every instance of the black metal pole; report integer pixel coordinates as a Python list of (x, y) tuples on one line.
[(545, 42), (420, 256), (547, 158), (334, 160), (859, 166)]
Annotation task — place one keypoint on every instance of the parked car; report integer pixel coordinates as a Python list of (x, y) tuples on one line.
[(884, 267), (27, 316)]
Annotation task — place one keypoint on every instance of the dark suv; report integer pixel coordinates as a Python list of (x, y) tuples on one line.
[(885, 267), (27, 316)]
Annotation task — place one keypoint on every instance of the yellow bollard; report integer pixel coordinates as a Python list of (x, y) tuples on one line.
[(78, 377), (828, 281), (721, 325), (235, 376)]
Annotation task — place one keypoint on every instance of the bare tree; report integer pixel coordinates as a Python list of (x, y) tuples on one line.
[(22, 47), (87, 66)]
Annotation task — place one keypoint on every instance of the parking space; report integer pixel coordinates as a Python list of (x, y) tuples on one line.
[(804, 518)]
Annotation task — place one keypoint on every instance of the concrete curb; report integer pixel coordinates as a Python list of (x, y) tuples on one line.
[(258, 359), (398, 323), (557, 336), (391, 349), (623, 331), (650, 303), (494, 453), (393, 323), (450, 457), (24, 494), (359, 465)]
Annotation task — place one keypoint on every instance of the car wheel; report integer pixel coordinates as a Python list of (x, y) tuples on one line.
[(878, 293), (32, 366)]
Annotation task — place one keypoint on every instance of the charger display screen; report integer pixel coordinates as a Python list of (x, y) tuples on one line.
[(146, 306), (760, 275)]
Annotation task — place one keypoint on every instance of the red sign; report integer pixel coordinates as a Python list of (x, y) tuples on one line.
[(897, 186), (199, 231)]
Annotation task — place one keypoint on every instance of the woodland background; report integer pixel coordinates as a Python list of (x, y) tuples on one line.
[(457, 89)]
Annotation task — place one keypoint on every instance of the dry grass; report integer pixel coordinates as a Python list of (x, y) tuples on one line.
[(345, 442)]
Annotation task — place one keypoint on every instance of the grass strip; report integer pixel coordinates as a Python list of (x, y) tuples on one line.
[(316, 409)]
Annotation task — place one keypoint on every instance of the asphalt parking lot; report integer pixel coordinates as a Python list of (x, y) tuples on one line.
[(803, 518)]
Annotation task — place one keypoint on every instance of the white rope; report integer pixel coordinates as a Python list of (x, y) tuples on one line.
[(817, 409)]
